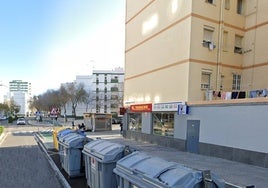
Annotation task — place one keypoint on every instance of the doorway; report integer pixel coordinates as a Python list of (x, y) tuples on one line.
[(192, 139)]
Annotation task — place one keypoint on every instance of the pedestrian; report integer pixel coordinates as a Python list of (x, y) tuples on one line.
[(73, 124), (121, 127)]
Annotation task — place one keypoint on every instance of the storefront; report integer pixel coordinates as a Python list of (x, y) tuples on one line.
[(137, 116), (164, 115), (156, 119)]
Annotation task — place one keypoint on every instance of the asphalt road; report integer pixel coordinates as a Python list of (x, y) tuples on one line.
[(22, 162)]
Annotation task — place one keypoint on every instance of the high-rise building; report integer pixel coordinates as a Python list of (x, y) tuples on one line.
[(20, 86), (181, 50), (20, 92)]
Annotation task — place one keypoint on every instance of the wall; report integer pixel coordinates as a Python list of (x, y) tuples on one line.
[(232, 124), (232, 129)]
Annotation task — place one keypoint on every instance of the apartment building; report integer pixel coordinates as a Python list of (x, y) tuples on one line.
[(179, 50), (183, 61), (108, 90), (20, 92)]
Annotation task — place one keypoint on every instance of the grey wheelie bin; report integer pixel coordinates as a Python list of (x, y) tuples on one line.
[(141, 170), (62, 147), (71, 150), (100, 160)]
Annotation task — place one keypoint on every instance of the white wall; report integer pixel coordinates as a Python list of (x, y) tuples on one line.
[(242, 126)]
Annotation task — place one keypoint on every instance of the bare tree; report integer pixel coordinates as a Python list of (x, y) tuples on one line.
[(77, 94), (87, 100), (64, 97)]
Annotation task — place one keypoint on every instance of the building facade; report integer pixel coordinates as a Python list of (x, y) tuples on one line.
[(108, 90), (20, 92), (180, 50), (20, 86), (105, 92), (185, 54)]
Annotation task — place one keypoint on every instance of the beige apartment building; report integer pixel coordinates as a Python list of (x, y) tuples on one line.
[(183, 60), (178, 50)]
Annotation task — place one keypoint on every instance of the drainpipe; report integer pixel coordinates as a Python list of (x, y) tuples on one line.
[(219, 51)]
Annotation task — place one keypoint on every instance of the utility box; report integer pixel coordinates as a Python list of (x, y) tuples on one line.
[(100, 160), (71, 151), (141, 170), (98, 121)]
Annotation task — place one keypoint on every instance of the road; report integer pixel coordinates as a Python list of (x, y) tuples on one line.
[(22, 162)]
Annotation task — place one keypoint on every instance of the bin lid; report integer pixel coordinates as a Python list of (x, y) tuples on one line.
[(73, 140), (64, 132), (146, 171), (104, 151), (64, 137)]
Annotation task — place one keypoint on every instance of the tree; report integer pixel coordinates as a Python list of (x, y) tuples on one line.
[(4, 109), (14, 108), (77, 94), (87, 99), (64, 97)]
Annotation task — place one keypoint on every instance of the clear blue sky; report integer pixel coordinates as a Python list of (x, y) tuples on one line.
[(48, 42)]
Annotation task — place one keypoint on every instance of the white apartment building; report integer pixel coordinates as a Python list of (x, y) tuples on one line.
[(20, 92), (105, 89), (108, 90)]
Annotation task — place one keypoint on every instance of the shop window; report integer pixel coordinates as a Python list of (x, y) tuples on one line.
[(205, 79), (240, 4), (134, 122), (163, 124), (238, 44), (236, 82)]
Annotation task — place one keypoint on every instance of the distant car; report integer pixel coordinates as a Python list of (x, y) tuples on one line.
[(21, 121), (3, 117)]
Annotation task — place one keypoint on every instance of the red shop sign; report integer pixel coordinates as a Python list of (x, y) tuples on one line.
[(141, 108)]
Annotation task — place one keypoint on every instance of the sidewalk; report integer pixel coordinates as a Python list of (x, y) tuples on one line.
[(232, 172)]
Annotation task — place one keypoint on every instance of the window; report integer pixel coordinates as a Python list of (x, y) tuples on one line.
[(163, 124), (225, 41), (114, 80), (236, 82), (105, 108), (227, 4), (208, 36), (238, 44), (210, 1), (239, 9), (205, 79), (134, 122)]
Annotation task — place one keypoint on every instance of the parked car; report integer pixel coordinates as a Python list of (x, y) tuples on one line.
[(3, 117), (21, 121)]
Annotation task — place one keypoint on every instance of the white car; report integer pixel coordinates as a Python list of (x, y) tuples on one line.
[(21, 121)]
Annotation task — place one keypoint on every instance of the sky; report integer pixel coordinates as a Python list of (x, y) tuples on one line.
[(49, 42)]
